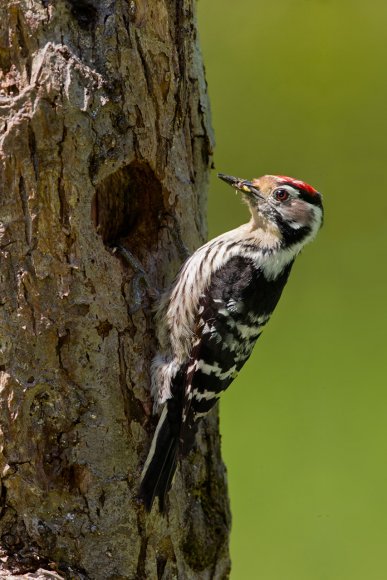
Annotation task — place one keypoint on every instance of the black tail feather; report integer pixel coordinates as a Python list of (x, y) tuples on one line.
[(160, 465), (166, 476)]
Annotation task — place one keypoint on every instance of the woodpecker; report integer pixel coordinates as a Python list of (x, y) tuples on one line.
[(211, 317)]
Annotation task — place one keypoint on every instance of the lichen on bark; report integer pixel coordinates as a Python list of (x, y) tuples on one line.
[(105, 137)]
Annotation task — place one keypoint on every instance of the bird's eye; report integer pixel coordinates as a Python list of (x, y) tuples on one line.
[(281, 194)]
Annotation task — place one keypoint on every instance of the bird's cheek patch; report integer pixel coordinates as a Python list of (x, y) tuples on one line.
[(297, 213)]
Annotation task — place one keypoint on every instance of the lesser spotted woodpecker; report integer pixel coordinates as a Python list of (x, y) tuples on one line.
[(210, 319)]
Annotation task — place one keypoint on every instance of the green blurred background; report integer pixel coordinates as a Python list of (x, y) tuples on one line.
[(299, 87)]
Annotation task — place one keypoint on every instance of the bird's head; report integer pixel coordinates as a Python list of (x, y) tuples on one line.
[(288, 205)]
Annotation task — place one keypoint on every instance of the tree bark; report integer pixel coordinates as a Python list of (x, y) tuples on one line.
[(105, 138)]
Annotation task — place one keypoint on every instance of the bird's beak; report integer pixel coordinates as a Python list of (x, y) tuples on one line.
[(242, 185)]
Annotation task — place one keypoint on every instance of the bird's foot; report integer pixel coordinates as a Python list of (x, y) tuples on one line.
[(140, 279)]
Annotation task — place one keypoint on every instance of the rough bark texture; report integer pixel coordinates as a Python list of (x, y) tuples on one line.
[(105, 136)]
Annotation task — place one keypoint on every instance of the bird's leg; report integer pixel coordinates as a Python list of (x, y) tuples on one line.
[(140, 278), (175, 232)]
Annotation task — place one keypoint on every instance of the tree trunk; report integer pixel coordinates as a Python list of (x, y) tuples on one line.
[(105, 138)]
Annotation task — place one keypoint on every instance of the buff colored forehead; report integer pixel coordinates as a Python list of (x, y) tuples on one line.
[(267, 183)]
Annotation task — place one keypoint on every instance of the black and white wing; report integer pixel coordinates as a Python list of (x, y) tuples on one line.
[(231, 316)]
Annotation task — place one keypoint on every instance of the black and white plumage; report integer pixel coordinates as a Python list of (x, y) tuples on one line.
[(210, 319)]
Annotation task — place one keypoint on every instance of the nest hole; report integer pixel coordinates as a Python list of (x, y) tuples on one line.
[(84, 12), (127, 207)]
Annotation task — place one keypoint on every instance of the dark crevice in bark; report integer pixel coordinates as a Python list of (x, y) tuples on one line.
[(63, 339), (161, 563), (26, 213), (145, 66), (141, 571), (33, 150), (179, 30), (64, 208), (3, 496)]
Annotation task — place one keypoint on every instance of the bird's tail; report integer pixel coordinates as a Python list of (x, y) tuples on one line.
[(160, 465)]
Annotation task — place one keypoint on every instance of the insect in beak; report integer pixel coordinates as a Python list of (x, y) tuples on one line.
[(242, 185)]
